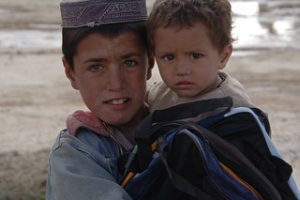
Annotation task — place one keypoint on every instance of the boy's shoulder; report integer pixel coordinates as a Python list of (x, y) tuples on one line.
[(95, 151), (87, 127), (86, 141), (83, 119)]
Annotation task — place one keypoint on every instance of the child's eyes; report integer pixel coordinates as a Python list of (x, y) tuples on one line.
[(168, 57), (195, 55)]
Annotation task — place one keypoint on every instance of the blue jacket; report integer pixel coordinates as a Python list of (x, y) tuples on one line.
[(84, 168)]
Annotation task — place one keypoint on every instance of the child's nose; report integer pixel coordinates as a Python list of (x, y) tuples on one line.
[(182, 68)]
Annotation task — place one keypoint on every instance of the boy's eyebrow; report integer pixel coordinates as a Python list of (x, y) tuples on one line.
[(94, 60), (131, 55), (122, 57)]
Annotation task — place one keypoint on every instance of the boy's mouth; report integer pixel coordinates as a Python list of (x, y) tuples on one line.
[(119, 101)]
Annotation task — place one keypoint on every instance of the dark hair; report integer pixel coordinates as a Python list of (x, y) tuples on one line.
[(214, 14), (72, 36)]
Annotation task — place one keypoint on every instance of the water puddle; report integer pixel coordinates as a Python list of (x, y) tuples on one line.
[(266, 24), (30, 39)]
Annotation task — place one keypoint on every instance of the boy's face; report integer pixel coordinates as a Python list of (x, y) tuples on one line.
[(111, 75), (188, 61)]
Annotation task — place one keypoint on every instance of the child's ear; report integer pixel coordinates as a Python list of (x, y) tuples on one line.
[(69, 71), (225, 55)]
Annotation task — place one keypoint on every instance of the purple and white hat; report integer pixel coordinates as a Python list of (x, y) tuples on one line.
[(80, 13)]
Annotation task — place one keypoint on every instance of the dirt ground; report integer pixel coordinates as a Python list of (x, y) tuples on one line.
[(36, 98)]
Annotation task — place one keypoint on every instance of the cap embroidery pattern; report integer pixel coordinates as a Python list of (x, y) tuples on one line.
[(100, 12)]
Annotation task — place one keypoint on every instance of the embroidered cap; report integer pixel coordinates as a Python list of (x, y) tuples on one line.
[(80, 13)]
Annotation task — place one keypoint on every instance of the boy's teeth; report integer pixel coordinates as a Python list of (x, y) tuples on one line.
[(119, 101)]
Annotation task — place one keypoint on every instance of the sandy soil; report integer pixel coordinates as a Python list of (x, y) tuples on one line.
[(36, 98)]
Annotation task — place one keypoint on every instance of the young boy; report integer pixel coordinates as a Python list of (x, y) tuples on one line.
[(105, 57), (191, 41)]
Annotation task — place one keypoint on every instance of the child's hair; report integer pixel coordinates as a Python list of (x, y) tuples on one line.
[(72, 36), (214, 14)]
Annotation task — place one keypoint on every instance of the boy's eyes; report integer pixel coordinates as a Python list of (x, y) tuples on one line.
[(95, 67), (130, 63)]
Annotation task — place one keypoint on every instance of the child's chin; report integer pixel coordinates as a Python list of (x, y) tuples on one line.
[(186, 94)]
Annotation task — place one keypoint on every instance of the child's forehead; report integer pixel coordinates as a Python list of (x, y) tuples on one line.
[(177, 27), (191, 37)]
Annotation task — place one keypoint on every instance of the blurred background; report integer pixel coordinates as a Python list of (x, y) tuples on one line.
[(36, 97), (261, 24)]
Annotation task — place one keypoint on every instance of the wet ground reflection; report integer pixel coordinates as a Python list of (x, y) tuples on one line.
[(266, 24)]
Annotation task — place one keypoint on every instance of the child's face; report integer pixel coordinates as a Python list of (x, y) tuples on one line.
[(188, 61), (111, 75)]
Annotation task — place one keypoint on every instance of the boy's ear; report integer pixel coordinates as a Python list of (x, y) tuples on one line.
[(225, 55), (150, 66), (69, 71)]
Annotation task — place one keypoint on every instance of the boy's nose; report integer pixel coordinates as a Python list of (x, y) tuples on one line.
[(115, 80)]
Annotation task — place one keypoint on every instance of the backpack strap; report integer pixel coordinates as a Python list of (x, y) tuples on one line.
[(144, 133), (178, 181)]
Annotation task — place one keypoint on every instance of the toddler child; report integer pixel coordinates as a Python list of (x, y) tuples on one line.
[(192, 43)]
